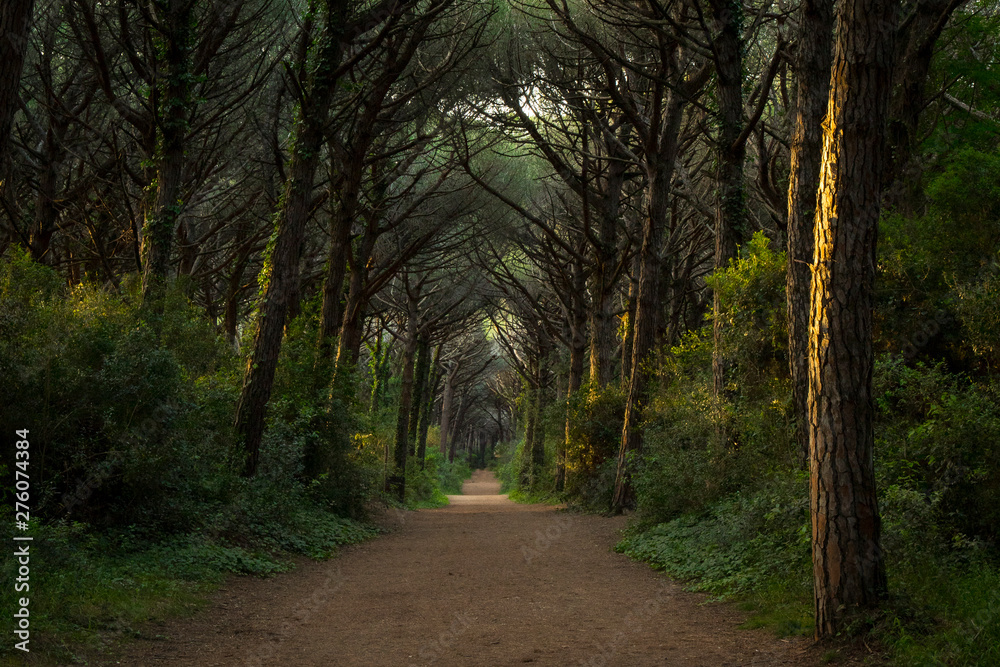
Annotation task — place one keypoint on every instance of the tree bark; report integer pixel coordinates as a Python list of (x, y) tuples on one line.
[(730, 210), (814, 53), (660, 170), (420, 386), (397, 480), (280, 269), (848, 566), (174, 102)]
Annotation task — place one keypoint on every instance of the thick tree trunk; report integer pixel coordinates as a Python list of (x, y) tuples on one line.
[(419, 389), (331, 315), (397, 480), (174, 110), (848, 567), (446, 401), (530, 420), (351, 329), (281, 266), (15, 25), (541, 401), (46, 212), (573, 382), (814, 53), (428, 406), (730, 211), (916, 41), (647, 309), (602, 334)]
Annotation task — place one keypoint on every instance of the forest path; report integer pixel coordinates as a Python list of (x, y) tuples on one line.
[(484, 581)]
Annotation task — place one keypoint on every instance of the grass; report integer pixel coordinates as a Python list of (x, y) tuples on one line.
[(91, 592), (944, 603)]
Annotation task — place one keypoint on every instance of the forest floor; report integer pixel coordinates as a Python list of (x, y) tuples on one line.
[(484, 581)]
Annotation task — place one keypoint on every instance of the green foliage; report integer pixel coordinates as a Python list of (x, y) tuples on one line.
[(752, 296), (685, 466), (132, 454), (746, 545), (428, 484), (936, 436), (595, 419)]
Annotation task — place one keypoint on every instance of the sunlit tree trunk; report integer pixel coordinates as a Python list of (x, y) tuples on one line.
[(814, 52), (848, 567)]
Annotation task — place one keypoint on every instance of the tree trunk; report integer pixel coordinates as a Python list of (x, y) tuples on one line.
[(814, 53), (730, 211), (446, 401), (15, 26), (628, 340), (541, 400), (647, 309), (419, 389), (602, 334), (331, 312), (848, 566), (281, 265), (173, 111), (351, 329), (428, 406), (573, 382), (917, 38), (397, 480)]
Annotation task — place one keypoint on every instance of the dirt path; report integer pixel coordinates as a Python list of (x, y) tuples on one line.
[(485, 582)]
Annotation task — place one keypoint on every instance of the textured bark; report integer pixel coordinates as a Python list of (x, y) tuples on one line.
[(15, 25), (627, 338), (280, 269), (730, 209), (814, 53), (173, 110), (848, 567), (660, 171)]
